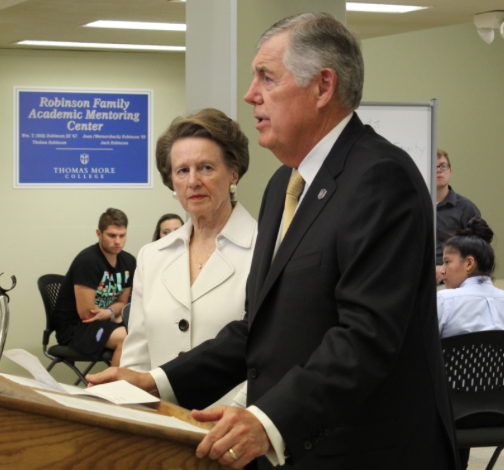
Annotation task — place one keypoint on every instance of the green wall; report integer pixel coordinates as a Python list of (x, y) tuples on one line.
[(465, 74), (42, 230)]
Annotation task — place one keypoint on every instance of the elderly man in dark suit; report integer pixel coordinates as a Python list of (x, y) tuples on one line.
[(340, 343)]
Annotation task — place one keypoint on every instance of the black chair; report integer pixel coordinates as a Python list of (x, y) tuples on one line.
[(475, 369), (49, 286), (125, 315)]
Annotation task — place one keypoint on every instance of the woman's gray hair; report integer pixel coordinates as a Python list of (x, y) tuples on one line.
[(318, 41)]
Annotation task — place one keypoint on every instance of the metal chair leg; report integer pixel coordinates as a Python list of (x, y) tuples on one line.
[(81, 375), (89, 368), (78, 373), (494, 458), (52, 364)]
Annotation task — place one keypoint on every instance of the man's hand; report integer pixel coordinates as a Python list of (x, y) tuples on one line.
[(236, 429), (98, 314), (439, 274), (142, 380)]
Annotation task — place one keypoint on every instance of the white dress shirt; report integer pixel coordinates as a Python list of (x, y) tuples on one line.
[(475, 306), (312, 163)]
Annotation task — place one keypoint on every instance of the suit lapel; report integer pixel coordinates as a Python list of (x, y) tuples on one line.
[(177, 279), (269, 225), (239, 231), (176, 276), (216, 271), (307, 212)]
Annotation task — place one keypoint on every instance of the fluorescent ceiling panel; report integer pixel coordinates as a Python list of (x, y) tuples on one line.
[(137, 25), (93, 45), (381, 8)]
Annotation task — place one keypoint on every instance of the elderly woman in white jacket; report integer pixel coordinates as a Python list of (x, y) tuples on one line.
[(191, 283)]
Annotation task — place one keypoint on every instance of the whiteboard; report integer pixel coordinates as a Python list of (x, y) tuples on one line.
[(410, 126)]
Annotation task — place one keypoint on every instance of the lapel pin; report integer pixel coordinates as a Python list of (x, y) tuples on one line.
[(322, 193)]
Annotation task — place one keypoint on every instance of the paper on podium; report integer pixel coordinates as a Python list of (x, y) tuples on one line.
[(32, 364), (122, 412), (26, 381), (120, 392)]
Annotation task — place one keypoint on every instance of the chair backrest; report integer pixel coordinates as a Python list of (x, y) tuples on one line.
[(125, 315), (474, 365), (475, 361), (49, 286)]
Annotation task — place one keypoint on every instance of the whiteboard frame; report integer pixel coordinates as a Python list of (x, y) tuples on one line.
[(433, 106)]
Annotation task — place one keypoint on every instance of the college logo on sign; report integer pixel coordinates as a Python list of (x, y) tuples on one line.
[(84, 158)]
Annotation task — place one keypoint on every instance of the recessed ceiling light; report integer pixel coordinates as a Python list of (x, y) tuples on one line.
[(137, 25), (381, 8), (95, 45)]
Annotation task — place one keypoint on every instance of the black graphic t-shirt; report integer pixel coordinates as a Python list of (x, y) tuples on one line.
[(91, 269)]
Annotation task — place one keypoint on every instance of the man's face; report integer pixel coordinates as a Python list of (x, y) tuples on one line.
[(443, 176), (112, 239), (285, 113)]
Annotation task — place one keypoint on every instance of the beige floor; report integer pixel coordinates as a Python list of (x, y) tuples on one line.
[(480, 457)]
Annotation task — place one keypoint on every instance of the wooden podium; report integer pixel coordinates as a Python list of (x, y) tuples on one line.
[(39, 433)]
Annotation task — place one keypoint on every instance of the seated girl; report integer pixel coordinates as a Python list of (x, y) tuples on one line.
[(470, 301)]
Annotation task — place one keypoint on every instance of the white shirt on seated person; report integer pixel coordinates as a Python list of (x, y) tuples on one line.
[(474, 306)]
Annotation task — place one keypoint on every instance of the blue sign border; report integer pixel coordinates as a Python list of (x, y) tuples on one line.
[(82, 138)]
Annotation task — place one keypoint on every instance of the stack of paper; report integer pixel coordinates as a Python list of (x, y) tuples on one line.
[(120, 392)]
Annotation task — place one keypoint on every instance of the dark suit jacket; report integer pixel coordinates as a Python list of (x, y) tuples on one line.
[(340, 345)]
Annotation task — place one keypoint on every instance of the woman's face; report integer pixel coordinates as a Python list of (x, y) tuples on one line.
[(168, 226), (455, 268), (200, 177)]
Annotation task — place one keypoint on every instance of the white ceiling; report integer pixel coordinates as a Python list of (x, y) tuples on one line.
[(61, 20), (441, 13)]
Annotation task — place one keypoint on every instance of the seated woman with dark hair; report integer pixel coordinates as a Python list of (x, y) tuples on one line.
[(166, 225), (470, 302)]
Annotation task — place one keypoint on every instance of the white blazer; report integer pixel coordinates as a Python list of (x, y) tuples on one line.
[(163, 295)]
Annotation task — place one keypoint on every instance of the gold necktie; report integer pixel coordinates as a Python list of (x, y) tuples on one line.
[(294, 190)]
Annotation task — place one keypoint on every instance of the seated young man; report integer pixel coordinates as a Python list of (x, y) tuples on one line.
[(95, 289)]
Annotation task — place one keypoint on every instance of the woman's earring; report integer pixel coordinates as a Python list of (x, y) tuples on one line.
[(233, 189), (174, 195)]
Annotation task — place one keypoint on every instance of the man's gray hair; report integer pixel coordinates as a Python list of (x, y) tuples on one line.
[(318, 41)]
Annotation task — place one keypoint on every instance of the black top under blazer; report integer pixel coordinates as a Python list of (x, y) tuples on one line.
[(340, 344)]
